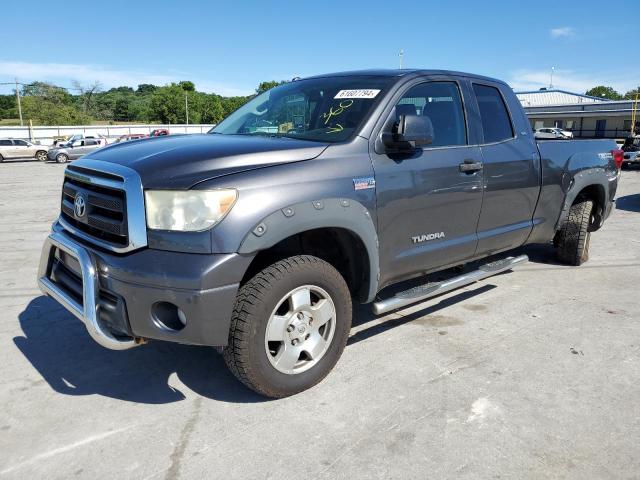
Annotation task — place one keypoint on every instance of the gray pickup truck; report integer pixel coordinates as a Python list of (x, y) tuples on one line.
[(257, 237)]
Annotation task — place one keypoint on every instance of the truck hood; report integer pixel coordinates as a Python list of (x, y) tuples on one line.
[(182, 161)]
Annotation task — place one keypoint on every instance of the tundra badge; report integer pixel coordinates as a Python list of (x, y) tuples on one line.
[(427, 237)]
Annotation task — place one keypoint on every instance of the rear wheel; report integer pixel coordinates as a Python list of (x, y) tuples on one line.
[(41, 156), (62, 158), (289, 326), (572, 240)]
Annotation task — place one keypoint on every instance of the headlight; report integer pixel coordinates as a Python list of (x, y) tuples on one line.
[(187, 211)]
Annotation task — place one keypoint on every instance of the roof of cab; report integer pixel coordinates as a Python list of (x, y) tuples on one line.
[(403, 73)]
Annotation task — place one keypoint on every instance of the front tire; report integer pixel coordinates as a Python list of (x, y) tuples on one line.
[(41, 156), (289, 326), (62, 158), (572, 240)]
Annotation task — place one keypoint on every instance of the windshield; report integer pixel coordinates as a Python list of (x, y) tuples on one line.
[(322, 109)]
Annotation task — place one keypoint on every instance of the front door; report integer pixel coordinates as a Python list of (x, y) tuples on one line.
[(428, 205)]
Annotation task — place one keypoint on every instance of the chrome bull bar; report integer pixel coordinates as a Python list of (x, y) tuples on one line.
[(88, 311)]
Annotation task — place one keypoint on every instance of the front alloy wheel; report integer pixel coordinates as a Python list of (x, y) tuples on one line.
[(62, 158), (289, 326), (300, 329)]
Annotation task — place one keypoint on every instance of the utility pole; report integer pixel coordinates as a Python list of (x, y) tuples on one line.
[(186, 106), (551, 82), (401, 54), (634, 113), (18, 100)]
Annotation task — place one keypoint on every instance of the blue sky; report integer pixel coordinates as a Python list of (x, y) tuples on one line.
[(229, 47)]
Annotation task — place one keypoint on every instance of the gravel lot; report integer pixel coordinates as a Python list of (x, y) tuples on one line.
[(530, 374)]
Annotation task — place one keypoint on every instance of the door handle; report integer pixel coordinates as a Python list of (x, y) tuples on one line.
[(470, 166)]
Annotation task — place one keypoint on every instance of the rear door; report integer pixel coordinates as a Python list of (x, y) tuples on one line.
[(427, 206), (6, 148), (511, 169)]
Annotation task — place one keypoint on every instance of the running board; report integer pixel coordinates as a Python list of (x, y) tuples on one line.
[(423, 292)]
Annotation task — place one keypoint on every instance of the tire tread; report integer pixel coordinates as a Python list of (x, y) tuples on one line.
[(250, 295)]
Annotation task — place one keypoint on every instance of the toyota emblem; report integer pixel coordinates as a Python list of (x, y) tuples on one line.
[(80, 205)]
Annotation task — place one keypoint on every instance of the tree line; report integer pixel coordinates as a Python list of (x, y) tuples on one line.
[(48, 104), (611, 94)]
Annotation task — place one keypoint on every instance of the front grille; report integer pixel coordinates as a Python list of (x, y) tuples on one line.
[(105, 216)]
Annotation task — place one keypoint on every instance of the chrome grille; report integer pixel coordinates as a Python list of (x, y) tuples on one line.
[(113, 215), (105, 217)]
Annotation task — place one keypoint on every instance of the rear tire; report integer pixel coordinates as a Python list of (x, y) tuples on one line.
[(572, 240), (272, 322), (41, 156), (62, 158)]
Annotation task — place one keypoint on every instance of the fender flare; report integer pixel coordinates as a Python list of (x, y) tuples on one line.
[(343, 213), (573, 185)]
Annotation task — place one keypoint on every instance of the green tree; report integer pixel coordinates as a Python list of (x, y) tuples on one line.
[(167, 104), (604, 92), (145, 89), (8, 106), (47, 104), (631, 94), (187, 86), (210, 107), (264, 86)]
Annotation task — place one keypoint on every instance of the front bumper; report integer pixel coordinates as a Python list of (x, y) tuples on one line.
[(117, 296)]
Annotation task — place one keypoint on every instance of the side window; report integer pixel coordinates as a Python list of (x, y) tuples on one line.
[(6, 143), (20, 143), (91, 142), (496, 123), (442, 103)]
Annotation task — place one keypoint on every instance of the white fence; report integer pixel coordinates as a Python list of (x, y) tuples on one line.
[(46, 135)]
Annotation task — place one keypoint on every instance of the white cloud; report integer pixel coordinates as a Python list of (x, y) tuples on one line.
[(562, 32), (570, 80), (63, 73)]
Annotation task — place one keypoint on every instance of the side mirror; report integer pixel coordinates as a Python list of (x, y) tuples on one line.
[(409, 133)]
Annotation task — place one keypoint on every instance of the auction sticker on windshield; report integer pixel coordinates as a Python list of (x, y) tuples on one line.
[(360, 93)]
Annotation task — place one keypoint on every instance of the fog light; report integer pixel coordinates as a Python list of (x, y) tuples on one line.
[(168, 316)]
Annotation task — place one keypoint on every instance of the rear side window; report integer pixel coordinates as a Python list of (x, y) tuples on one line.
[(496, 123), (441, 102), (5, 143)]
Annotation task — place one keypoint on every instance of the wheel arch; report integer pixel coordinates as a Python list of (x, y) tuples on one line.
[(587, 185), (340, 231)]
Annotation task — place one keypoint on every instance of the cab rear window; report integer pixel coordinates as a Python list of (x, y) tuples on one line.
[(496, 123)]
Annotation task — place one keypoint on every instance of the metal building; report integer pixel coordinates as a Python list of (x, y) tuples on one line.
[(585, 116)]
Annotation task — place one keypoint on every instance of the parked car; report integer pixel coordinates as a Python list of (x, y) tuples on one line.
[(555, 133), (73, 150), (12, 148), (129, 137), (159, 132), (80, 136), (258, 243), (631, 148)]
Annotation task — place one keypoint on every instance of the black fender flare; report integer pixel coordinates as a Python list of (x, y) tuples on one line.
[(343, 213), (573, 185)]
